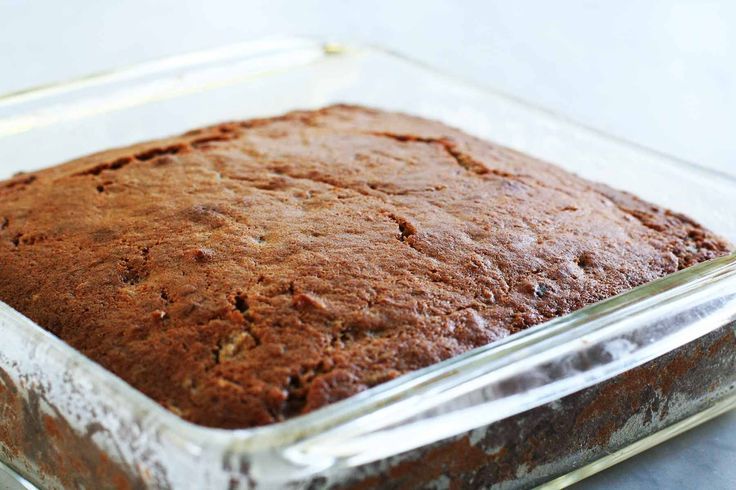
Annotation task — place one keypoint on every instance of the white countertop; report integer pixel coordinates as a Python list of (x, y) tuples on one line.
[(662, 74)]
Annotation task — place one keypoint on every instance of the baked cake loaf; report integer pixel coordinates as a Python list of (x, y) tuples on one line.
[(248, 272)]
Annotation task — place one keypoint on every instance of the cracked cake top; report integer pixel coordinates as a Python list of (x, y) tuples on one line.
[(251, 271)]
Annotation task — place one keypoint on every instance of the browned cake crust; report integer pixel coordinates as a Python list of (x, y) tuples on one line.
[(248, 272)]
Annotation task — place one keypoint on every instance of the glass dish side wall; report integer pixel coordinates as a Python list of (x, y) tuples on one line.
[(147, 445), (555, 439), (261, 79)]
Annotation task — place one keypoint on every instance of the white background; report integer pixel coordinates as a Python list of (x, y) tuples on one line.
[(659, 73)]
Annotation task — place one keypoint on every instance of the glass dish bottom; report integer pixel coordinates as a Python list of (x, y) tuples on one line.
[(11, 480)]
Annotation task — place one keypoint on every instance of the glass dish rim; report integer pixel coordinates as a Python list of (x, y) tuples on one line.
[(283, 434)]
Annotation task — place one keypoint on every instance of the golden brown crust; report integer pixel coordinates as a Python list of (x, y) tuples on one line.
[(251, 271)]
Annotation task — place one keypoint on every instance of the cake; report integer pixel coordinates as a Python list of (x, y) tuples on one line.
[(249, 272)]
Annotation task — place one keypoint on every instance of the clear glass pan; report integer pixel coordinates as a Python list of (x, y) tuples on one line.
[(385, 424)]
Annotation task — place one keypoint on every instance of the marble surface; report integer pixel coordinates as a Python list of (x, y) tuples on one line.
[(659, 73)]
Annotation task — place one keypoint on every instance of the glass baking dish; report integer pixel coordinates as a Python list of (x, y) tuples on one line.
[(549, 405)]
